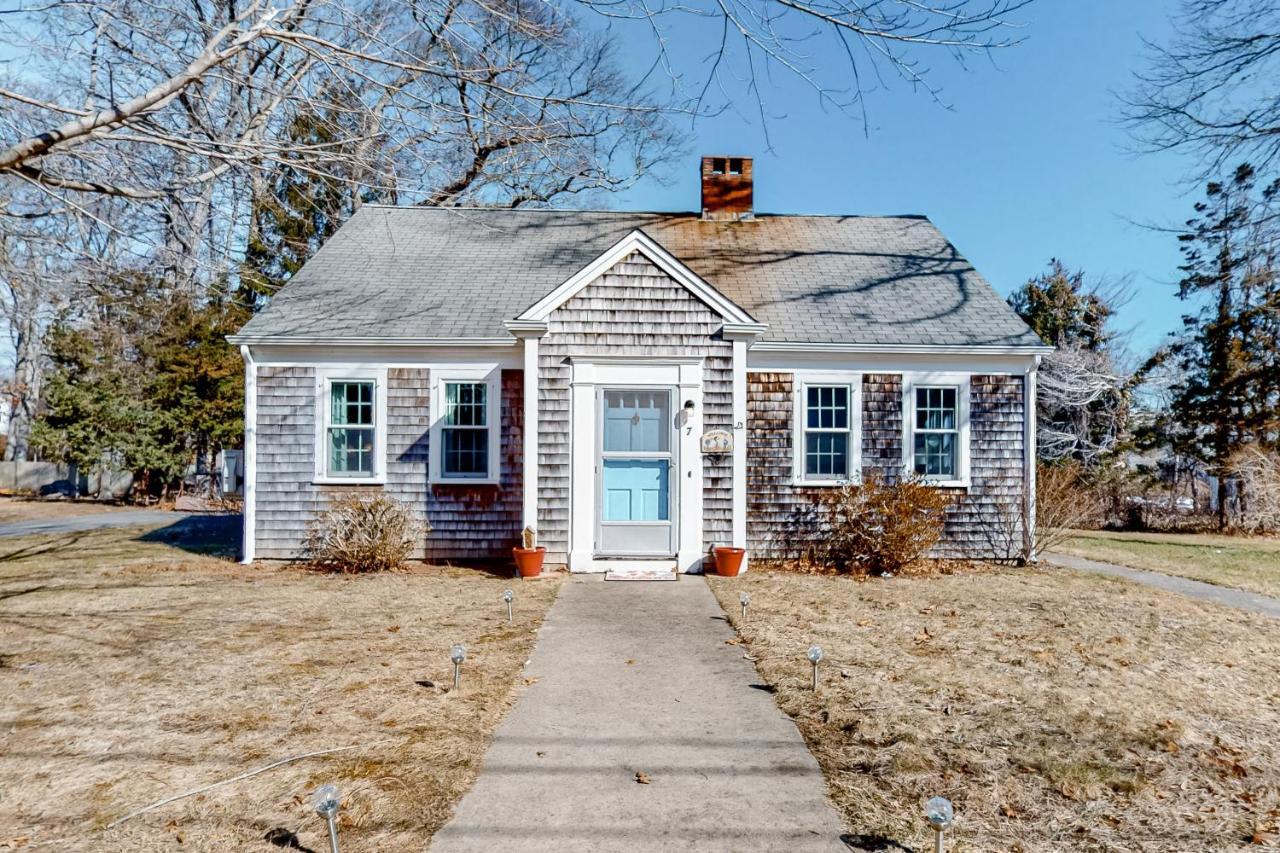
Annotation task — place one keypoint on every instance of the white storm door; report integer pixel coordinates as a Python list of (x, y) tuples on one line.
[(635, 496)]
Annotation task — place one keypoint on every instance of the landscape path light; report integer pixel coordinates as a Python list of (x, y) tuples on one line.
[(325, 801), (744, 599), (939, 813), (457, 655), (508, 596), (815, 657)]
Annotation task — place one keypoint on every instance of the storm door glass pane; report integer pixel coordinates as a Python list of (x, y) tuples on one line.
[(637, 421)]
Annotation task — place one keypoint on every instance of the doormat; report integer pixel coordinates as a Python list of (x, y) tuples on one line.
[(640, 574)]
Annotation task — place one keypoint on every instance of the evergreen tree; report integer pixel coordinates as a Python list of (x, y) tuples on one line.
[(1228, 355), (148, 384)]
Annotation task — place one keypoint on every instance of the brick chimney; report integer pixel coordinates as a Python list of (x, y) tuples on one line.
[(726, 188)]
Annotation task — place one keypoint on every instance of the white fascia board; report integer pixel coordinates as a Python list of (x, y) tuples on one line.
[(637, 241), (904, 349), (303, 340)]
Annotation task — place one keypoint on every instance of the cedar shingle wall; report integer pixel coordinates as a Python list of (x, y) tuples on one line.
[(982, 523), (633, 309), (986, 520), (468, 522)]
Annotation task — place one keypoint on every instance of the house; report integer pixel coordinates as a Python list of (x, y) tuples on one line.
[(635, 386)]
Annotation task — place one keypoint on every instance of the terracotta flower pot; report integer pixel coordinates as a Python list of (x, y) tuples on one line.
[(529, 560), (729, 560)]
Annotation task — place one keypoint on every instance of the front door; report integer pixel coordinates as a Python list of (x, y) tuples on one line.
[(635, 498)]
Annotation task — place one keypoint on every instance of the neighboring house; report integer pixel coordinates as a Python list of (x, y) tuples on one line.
[(635, 386)]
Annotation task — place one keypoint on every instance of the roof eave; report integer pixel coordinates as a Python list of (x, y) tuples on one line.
[(904, 349), (329, 340)]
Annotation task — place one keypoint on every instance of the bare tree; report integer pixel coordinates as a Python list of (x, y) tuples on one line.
[(1212, 90)]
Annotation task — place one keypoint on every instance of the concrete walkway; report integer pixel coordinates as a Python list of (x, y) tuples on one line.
[(636, 677), (1171, 583), (92, 521)]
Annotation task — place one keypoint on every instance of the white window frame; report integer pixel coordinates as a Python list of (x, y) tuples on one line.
[(489, 375), (959, 381), (325, 377), (802, 381)]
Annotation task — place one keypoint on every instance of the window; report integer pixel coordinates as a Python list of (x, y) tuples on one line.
[(350, 429), (936, 427), (937, 433), (466, 422), (735, 165), (350, 425), (827, 429), (718, 166), (465, 432)]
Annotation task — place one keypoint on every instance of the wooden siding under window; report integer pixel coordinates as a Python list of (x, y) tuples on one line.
[(632, 309), (984, 521), (468, 522)]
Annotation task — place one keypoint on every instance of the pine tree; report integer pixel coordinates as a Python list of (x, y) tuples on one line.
[(1228, 394)]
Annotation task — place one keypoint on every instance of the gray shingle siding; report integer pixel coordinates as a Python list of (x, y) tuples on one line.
[(632, 309), (984, 521), (468, 522)]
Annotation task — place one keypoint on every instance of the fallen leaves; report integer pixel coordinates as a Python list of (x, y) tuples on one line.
[(642, 778)]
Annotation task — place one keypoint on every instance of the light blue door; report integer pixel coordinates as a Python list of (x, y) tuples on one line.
[(635, 496), (636, 490)]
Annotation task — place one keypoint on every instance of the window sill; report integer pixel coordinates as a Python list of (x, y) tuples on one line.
[(465, 481), (825, 484), (947, 484), (349, 481)]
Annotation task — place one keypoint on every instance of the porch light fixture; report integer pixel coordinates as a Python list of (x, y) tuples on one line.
[(507, 596), (458, 654), (815, 657), (325, 801), (940, 814), (744, 599), (688, 406)]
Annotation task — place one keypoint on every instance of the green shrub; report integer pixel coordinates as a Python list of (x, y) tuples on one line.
[(364, 534)]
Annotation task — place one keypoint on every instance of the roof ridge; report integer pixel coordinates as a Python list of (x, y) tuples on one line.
[(759, 215)]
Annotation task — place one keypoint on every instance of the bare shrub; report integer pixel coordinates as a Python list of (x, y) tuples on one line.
[(364, 534), (1064, 502), (1258, 473), (881, 526)]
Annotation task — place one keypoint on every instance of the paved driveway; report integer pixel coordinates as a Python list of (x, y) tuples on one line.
[(93, 521), (637, 678)]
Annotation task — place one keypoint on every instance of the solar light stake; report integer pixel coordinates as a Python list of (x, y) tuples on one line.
[(939, 813), (815, 657), (457, 655), (744, 599), (507, 596), (325, 801)]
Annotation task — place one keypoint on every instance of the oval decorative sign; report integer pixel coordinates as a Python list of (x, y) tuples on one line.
[(717, 441)]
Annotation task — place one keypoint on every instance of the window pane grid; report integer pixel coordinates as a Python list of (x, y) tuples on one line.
[(350, 429), (826, 431), (936, 438), (466, 404), (464, 433)]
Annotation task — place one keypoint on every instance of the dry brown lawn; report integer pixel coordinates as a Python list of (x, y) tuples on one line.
[(1058, 711), (131, 671)]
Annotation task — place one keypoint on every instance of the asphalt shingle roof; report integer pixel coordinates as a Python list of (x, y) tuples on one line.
[(460, 273)]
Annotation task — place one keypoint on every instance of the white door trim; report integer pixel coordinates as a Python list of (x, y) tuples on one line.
[(586, 374)]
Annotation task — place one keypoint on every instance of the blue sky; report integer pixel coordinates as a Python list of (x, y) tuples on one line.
[(1028, 162)]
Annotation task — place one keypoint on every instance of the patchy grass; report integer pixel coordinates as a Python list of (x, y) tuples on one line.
[(134, 670), (1058, 711), (1244, 562)]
